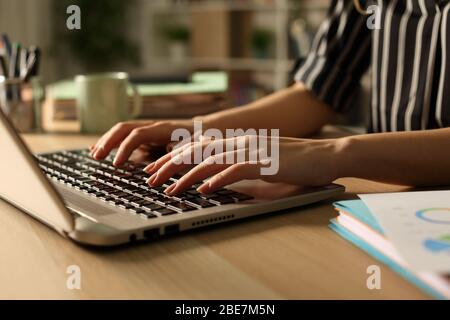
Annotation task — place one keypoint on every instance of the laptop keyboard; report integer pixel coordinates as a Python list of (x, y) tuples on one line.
[(126, 187)]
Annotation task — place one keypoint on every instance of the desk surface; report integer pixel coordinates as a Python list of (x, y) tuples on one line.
[(293, 255)]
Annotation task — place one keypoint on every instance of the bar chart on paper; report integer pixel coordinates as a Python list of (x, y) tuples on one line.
[(418, 224)]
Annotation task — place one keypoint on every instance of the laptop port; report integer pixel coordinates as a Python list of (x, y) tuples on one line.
[(151, 233), (173, 228)]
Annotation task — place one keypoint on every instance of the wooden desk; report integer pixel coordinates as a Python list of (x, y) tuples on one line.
[(293, 255)]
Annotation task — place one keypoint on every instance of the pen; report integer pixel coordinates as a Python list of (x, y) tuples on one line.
[(6, 44), (3, 69), (30, 65), (14, 60), (23, 64), (37, 53)]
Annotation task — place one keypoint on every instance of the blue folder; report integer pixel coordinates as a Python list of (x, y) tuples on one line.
[(359, 210)]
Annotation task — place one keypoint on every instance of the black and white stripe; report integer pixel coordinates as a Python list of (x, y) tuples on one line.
[(442, 112), (410, 70)]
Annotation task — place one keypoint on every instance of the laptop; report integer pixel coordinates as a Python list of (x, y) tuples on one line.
[(94, 203)]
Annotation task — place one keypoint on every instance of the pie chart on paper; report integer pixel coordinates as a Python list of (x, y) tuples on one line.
[(434, 215)]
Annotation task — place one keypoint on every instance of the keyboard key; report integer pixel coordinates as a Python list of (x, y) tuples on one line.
[(95, 185), (140, 192), (199, 202), (136, 210), (165, 201), (151, 206), (151, 197), (183, 196), (88, 191), (207, 196), (137, 203), (131, 199), (219, 200), (183, 207), (116, 202), (225, 192), (141, 174), (97, 194), (165, 211), (192, 192), (159, 189), (125, 206), (80, 187), (131, 189), (240, 196), (105, 198), (120, 194), (149, 215)]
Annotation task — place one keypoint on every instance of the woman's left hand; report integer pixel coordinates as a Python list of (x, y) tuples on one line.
[(289, 160)]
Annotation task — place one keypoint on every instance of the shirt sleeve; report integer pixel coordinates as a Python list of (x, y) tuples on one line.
[(339, 56)]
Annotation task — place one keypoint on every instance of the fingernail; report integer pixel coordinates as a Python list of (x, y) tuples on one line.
[(170, 188), (116, 162), (151, 179), (149, 167), (204, 187)]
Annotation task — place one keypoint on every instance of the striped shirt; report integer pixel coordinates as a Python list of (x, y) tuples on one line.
[(407, 54)]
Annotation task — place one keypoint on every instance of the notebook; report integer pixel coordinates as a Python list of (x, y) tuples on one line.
[(356, 224)]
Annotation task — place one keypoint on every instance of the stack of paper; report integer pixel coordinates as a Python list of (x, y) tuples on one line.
[(358, 225)]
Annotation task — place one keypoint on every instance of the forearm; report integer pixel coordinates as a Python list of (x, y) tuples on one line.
[(295, 111), (417, 158)]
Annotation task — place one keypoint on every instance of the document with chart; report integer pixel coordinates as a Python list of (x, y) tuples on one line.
[(418, 224)]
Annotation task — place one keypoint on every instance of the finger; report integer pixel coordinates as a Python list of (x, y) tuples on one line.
[(178, 160), (153, 133), (156, 165), (232, 174), (207, 168), (184, 153), (113, 131), (208, 147), (169, 168), (172, 149), (112, 139)]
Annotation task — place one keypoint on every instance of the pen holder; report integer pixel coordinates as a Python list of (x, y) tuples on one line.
[(13, 105)]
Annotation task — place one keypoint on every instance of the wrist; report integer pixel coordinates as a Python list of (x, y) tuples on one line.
[(344, 156), (207, 121)]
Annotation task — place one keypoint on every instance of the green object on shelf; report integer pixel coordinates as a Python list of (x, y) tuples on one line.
[(261, 39), (202, 82), (102, 41), (177, 33)]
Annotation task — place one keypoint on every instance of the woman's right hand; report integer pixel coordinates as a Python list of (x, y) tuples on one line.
[(129, 136)]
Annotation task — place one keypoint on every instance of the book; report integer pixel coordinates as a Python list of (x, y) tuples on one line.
[(206, 92), (356, 224)]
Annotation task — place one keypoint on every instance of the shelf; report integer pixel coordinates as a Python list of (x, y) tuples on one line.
[(276, 14), (235, 6), (268, 65)]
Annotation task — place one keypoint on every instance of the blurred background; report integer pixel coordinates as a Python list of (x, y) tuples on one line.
[(249, 46)]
